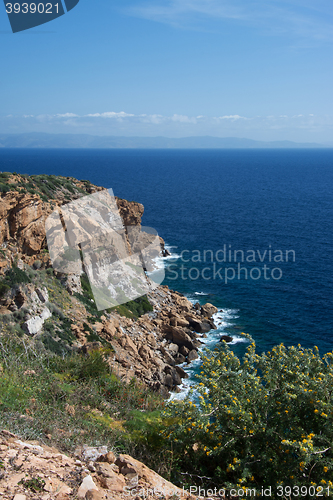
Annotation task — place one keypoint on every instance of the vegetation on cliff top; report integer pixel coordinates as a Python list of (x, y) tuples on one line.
[(48, 187)]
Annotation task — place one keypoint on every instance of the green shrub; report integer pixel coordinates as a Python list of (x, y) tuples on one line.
[(94, 365), (3, 289), (16, 276), (134, 308), (4, 188), (57, 347), (263, 421)]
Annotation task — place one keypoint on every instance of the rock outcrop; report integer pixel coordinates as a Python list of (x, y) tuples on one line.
[(23, 216), (30, 470)]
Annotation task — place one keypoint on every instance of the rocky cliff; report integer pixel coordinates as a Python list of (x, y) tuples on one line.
[(149, 338), (25, 204)]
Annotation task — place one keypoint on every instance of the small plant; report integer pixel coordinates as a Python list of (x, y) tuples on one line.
[(34, 484)]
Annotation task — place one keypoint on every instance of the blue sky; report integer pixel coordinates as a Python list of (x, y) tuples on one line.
[(258, 69)]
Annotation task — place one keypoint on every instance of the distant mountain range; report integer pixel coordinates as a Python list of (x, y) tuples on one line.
[(42, 140)]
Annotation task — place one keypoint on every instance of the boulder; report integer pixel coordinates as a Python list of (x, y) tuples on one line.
[(192, 355), (197, 343), (109, 457), (167, 356), (182, 373), (111, 327), (179, 359), (45, 314), (86, 485), (90, 453), (173, 349), (33, 325), (168, 380), (208, 310), (184, 350), (176, 377), (226, 338), (145, 353), (127, 343), (177, 320), (180, 337), (158, 484), (200, 326), (43, 294)]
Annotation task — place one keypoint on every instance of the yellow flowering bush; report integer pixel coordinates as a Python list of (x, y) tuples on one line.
[(260, 421)]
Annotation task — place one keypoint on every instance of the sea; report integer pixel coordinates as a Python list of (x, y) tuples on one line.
[(248, 230)]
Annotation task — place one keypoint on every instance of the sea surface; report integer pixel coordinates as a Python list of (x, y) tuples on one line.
[(274, 207)]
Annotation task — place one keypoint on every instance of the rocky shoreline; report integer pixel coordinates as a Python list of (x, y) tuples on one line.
[(149, 348)]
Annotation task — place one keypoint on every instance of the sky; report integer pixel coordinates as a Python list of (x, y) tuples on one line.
[(260, 69)]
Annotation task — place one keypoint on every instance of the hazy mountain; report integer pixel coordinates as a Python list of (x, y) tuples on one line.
[(41, 140)]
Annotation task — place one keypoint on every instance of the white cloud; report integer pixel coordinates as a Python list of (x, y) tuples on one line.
[(183, 119), (110, 114), (301, 18), (67, 115), (300, 127), (232, 117)]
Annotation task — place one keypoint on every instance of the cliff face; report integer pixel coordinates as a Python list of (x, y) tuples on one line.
[(149, 338), (23, 215)]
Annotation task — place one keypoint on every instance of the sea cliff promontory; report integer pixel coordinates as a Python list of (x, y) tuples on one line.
[(149, 338)]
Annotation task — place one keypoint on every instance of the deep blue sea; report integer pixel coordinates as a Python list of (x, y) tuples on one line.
[(251, 201)]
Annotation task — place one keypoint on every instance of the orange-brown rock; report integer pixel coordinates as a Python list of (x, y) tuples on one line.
[(65, 478), (22, 221)]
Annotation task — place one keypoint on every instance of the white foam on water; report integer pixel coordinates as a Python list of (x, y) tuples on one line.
[(222, 321), (237, 340), (185, 389), (162, 262)]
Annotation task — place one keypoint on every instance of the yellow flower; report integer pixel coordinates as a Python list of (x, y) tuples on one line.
[(325, 469)]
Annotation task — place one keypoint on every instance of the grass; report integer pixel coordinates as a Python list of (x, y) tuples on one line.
[(75, 400)]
